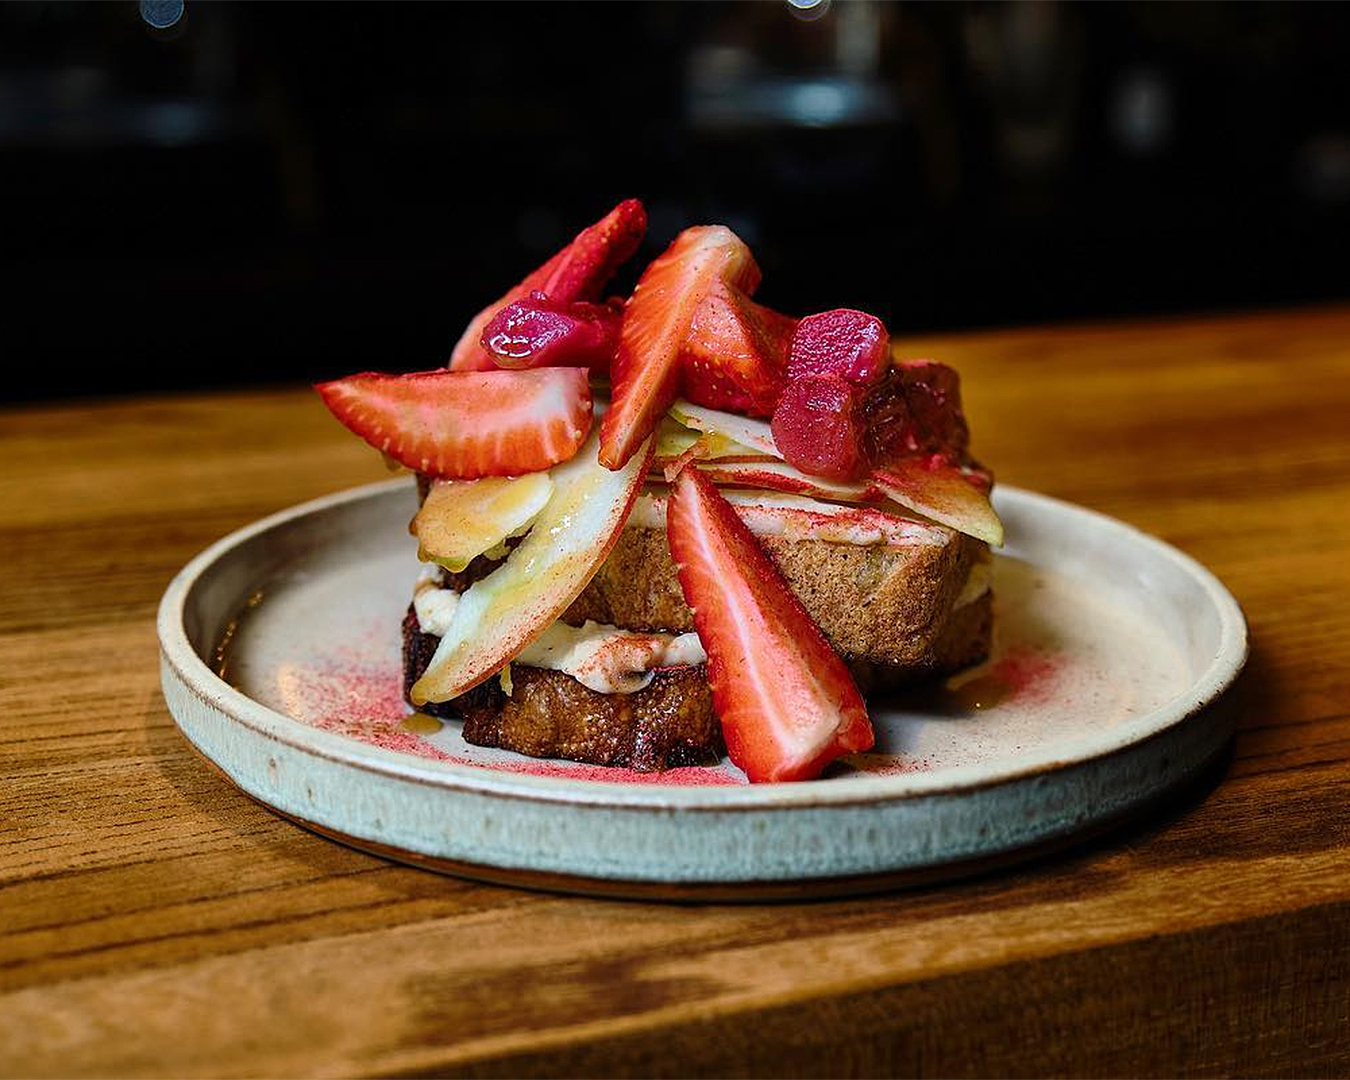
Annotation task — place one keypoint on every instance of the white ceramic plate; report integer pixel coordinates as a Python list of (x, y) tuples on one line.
[(1109, 647)]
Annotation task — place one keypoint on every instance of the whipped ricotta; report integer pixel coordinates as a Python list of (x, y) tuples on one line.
[(978, 582), (601, 657)]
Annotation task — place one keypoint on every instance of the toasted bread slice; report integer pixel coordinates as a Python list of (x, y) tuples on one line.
[(549, 714)]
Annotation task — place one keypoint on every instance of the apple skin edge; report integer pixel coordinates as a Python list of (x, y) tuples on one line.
[(943, 492), (497, 617)]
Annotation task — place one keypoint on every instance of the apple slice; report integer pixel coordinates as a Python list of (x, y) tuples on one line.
[(944, 491), (774, 475), (795, 517), (673, 438), (756, 434), (500, 615), (462, 519)]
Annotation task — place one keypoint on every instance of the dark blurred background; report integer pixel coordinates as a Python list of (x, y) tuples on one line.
[(228, 193)]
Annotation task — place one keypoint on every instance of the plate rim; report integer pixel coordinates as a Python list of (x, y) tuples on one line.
[(195, 676)]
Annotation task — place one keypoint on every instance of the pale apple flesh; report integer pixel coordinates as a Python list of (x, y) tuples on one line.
[(745, 430), (462, 519), (943, 492), (497, 617)]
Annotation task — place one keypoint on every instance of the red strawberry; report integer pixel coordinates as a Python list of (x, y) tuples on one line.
[(579, 271), (851, 344), (787, 703), (467, 424), (735, 356), (916, 410), (818, 427), (656, 321), (539, 332)]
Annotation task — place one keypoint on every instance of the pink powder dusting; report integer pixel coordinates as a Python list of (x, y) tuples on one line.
[(1023, 674), (365, 702), (1026, 672)]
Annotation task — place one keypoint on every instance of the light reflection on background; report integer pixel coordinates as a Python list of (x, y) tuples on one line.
[(161, 14)]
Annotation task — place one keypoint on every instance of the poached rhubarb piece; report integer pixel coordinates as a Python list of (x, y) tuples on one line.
[(850, 344), (736, 355), (819, 424), (465, 424), (916, 409), (918, 443), (540, 332), (580, 271), (818, 427), (645, 375), (787, 703)]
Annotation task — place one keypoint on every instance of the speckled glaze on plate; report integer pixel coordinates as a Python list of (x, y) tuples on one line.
[(1109, 647)]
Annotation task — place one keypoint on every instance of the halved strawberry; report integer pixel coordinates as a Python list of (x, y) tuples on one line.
[(577, 272), (541, 332), (467, 424), (735, 357), (787, 703), (656, 321)]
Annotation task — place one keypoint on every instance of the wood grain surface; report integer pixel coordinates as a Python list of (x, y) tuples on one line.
[(154, 921)]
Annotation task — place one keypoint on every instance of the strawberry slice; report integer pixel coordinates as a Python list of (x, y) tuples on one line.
[(656, 321), (787, 703), (467, 424), (735, 357), (540, 332), (577, 272)]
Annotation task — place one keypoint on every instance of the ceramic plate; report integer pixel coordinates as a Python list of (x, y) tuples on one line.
[(1109, 646)]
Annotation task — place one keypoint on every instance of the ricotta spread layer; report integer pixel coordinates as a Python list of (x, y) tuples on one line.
[(603, 658)]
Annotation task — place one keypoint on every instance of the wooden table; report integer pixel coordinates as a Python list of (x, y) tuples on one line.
[(155, 921)]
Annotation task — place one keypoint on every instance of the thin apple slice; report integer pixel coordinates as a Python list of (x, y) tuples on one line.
[(500, 615), (755, 434), (780, 476), (673, 438), (795, 517), (704, 448), (462, 519), (944, 491)]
